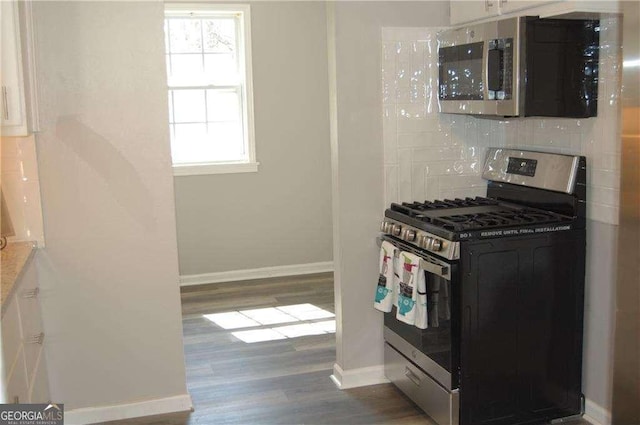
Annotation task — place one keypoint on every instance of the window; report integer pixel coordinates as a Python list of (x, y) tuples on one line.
[(208, 52)]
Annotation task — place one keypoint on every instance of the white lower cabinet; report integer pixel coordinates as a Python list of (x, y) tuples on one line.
[(23, 342)]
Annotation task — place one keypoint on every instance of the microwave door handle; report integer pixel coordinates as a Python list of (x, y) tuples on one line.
[(494, 69), (485, 71)]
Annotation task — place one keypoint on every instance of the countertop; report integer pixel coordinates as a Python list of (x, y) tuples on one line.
[(14, 258)]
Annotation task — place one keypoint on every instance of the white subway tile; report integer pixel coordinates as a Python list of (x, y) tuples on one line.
[(404, 174), (605, 179), (431, 188), (438, 154), (604, 213), (404, 51), (607, 162), (410, 115), (604, 196), (418, 180), (391, 183)]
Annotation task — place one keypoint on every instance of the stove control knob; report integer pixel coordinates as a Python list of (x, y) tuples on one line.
[(385, 227), (409, 235), (436, 245), (430, 244), (396, 230), (423, 241)]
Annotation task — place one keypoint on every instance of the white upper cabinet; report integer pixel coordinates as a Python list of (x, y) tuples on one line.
[(508, 6), (18, 112), (465, 11), (14, 118), (472, 10)]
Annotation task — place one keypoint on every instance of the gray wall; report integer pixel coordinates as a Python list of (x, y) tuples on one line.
[(357, 158), (280, 215), (109, 272)]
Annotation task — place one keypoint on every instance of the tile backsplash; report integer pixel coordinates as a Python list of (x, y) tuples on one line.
[(21, 187), (429, 155)]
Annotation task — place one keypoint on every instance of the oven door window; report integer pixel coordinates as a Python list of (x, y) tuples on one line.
[(460, 72), (435, 341)]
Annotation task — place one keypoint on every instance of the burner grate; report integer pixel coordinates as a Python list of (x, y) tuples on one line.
[(506, 217), (475, 214), (449, 203)]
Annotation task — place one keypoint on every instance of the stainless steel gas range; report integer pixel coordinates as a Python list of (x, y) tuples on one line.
[(505, 292)]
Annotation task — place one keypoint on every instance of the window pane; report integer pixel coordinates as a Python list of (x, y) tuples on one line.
[(227, 143), (189, 106), (222, 68), (186, 69), (171, 119), (193, 143), (223, 106), (185, 35), (219, 35), (188, 143)]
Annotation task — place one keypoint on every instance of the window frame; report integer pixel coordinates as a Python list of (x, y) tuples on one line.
[(245, 69)]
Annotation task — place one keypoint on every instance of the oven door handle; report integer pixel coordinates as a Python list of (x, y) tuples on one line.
[(438, 270)]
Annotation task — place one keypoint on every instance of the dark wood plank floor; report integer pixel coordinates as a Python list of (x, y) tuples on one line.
[(285, 381)]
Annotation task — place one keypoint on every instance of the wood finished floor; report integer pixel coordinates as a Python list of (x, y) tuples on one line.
[(275, 382)]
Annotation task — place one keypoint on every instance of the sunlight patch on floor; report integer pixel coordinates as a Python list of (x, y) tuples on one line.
[(292, 315)]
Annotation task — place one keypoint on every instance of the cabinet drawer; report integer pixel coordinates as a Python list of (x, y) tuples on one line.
[(11, 336), (437, 402)]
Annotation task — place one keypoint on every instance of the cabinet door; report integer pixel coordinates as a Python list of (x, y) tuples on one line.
[(11, 334), (12, 101), (27, 295), (472, 10), (17, 384), (508, 6), (40, 383)]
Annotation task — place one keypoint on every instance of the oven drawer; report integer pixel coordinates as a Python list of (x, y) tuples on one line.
[(437, 402)]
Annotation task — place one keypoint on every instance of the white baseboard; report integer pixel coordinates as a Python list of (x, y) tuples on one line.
[(596, 414), (358, 377), (249, 274), (92, 415)]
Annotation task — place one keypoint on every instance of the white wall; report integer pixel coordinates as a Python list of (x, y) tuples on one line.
[(355, 30), (280, 215), (109, 272)]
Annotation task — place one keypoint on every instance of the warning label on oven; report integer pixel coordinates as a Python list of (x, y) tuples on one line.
[(518, 232)]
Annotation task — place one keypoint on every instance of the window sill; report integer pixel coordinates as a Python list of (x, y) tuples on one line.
[(203, 169)]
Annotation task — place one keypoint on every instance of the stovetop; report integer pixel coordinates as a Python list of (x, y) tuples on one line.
[(460, 219)]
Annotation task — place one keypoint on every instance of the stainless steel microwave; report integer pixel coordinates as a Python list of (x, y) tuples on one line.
[(523, 66)]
